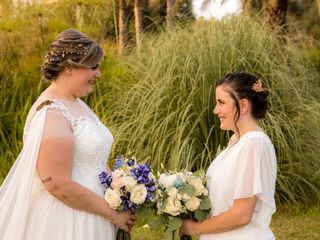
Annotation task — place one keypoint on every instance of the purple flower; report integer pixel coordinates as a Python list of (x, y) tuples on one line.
[(129, 205), (141, 173), (131, 162), (105, 179), (149, 197)]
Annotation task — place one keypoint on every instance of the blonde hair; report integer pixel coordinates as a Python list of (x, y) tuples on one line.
[(71, 48)]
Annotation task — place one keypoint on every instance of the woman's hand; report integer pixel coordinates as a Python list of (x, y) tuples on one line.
[(124, 220), (188, 227)]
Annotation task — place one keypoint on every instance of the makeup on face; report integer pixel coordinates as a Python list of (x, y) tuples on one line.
[(225, 108)]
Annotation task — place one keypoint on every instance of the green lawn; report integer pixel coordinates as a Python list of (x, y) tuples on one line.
[(295, 224)]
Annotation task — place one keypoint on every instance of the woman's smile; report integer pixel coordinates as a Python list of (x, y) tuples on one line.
[(92, 82)]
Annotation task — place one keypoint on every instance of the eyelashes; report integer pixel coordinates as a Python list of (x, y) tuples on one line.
[(95, 67)]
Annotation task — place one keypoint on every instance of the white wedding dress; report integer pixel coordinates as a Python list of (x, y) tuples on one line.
[(27, 210)]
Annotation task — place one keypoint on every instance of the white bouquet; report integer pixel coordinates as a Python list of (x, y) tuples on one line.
[(181, 195)]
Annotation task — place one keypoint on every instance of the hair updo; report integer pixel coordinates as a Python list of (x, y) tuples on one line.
[(245, 85), (71, 48)]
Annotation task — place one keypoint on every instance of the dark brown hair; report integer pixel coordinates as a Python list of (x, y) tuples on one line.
[(71, 48), (243, 85)]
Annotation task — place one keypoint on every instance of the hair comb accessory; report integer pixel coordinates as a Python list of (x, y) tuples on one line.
[(257, 86)]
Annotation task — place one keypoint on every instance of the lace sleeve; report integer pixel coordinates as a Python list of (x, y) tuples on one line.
[(54, 108), (56, 125)]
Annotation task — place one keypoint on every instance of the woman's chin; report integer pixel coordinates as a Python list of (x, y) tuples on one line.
[(226, 128), (86, 92)]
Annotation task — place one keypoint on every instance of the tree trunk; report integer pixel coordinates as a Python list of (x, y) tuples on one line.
[(276, 14), (122, 25), (318, 3), (252, 6), (138, 23), (170, 15)]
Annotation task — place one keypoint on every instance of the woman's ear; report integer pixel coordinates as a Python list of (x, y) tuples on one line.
[(244, 106), (68, 69)]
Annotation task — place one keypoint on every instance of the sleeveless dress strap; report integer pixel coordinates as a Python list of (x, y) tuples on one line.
[(46, 104)]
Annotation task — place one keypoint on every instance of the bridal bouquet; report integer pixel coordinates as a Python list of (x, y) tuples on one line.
[(130, 186), (181, 195)]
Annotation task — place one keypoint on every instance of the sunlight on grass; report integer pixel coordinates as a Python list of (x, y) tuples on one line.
[(286, 225), (303, 224)]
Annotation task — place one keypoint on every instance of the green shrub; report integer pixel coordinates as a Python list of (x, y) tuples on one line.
[(159, 103), (167, 116)]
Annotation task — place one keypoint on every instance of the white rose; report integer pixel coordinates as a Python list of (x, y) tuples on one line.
[(197, 183), (116, 173), (112, 198), (192, 204), (205, 192), (167, 180), (138, 194), (172, 191), (172, 206), (129, 181), (117, 183), (179, 196), (182, 176)]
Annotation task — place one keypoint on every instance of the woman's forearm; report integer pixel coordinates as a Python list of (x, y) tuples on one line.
[(239, 215), (224, 222), (79, 197)]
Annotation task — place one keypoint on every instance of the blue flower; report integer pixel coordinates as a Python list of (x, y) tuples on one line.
[(118, 163), (178, 183)]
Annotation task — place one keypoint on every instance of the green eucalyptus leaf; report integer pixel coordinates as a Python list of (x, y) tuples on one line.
[(188, 189), (205, 204), (145, 212), (200, 215), (156, 222), (174, 223)]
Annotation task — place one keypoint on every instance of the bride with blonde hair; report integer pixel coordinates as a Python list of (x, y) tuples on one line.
[(52, 191)]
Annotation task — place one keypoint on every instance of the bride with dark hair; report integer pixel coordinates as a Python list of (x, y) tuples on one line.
[(241, 180)]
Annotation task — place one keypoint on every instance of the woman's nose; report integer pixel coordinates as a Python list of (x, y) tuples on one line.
[(215, 110), (97, 73)]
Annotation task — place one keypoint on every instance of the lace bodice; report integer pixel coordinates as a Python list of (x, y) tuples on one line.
[(92, 140)]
